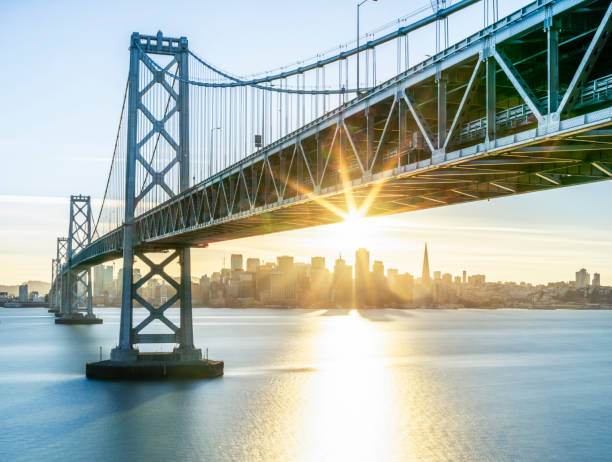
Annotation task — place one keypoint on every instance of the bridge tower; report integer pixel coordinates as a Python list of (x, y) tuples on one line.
[(185, 358), (76, 305), (55, 293)]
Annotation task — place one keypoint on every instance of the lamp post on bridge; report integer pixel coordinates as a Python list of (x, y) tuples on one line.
[(210, 169), (358, 5)]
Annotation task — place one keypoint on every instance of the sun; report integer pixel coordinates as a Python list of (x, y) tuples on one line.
[(354, 232)]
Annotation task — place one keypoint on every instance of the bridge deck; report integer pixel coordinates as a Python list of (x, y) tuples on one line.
[(397, 148)]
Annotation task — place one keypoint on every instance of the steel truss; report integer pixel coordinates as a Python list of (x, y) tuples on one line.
[(55, 294), (177, 49), (490, 116), (76, 299)]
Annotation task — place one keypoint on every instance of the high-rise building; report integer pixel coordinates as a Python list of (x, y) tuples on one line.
[(317, 263), (283, 281), (342, 284), (135, 277), (425, 277), (403, 290), (204, 289), (437, 275), (23, 293), (319, 282), (477, 279), (103, 280), (378, 295), (583, 279), (284, 264), (362, 277), (392, 274), (378, 269), (98, 280), (252, 265), (236, 262), (464, 276), (596, 280), (107, 280)]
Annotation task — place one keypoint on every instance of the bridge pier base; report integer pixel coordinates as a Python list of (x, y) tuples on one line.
[(184, 361), (154, 366)]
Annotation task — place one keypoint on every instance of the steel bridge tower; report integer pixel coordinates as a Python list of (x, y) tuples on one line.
[(76, 299), (55, 294), (138, 112)]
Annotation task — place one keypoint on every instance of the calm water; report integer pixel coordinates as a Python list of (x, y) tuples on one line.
[(467, 385)]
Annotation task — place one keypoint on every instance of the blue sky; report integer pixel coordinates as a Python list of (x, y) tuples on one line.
[(62, 80)]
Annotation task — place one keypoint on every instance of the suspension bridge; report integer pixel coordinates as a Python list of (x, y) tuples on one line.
[(203, 156)]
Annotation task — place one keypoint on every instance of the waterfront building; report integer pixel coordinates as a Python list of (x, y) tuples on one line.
[(476, 279), (583, 279), (596, 280), (23, 293)]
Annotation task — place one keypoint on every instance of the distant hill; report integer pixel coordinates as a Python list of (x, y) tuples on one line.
[(39, 286)]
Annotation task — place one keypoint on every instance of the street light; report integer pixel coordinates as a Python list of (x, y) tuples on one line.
[(358, 5), (210, 168)]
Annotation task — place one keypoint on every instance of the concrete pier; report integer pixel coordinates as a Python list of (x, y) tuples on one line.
[(77, 318), (154, 366)]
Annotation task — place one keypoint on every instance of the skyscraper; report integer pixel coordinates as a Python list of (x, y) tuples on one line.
[(426, 276), (252, 264), (23, 292), (98, 280), (236, 262), (342, 285), (583, 279), (362, 276)]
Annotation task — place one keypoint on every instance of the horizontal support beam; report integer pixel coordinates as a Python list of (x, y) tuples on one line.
[(156, 338)]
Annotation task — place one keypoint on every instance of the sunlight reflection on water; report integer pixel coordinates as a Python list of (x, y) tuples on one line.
[(321, 385)]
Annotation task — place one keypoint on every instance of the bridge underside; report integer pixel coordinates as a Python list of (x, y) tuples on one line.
[(571, 161), (520, 107)]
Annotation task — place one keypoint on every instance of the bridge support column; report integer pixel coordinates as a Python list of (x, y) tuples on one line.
[(78, 299), (126, 361)]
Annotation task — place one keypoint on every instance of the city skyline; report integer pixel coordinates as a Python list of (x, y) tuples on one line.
[(367, 283), (106, 276), (530, 237)]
